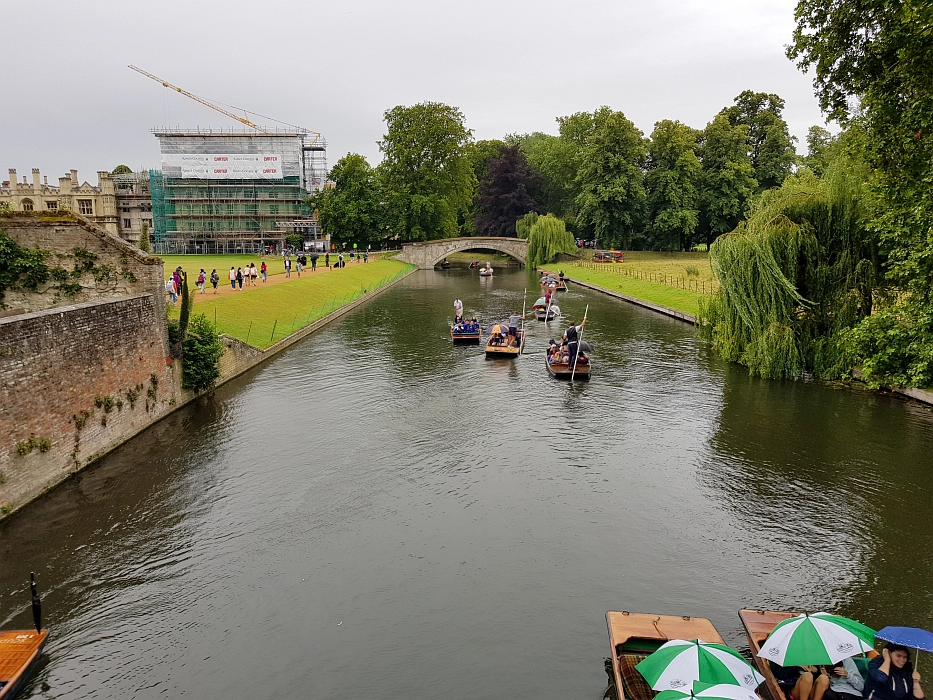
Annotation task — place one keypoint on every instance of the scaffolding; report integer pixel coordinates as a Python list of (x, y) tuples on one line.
[(233, 190)]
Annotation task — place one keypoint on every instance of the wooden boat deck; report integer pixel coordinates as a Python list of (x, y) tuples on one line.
[(502, 351), (565, 371), (19, 651), (633, 636), (758, 625), (465, 338)]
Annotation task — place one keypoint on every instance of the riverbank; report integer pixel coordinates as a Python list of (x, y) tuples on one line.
[(673, 301), (263, 315)]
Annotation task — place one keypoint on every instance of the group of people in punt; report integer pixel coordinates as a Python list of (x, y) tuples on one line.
[(461, 325), (566, 351), (509, 337), (891, 676)]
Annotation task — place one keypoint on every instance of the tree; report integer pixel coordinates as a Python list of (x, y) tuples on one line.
[(480, 153), (548, 238), (426, 170), (503, 194), (820, 149), (555, 160), (873, 66), (523, 226), (201, 351), (144, 238), (770, 145), (351, 210), (671, 185), (121, 170), (727, 182), (611, 199)]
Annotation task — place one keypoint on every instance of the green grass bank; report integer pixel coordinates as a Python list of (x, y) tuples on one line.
[(261, 316)]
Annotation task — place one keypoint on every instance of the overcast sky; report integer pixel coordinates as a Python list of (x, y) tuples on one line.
[(69, 101)]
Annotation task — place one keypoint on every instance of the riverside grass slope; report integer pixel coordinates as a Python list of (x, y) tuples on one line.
[(261, 316), (684, 300)]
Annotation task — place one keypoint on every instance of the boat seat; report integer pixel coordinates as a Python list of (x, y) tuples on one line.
[(634, 684)]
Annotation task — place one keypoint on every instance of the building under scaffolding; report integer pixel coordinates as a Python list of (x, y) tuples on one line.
[(235, 191)]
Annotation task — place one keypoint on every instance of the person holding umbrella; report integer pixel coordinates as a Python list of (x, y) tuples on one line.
[(891, 676)]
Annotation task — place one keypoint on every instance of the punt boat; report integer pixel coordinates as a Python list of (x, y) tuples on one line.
[(465, 337), (565, 371), (485, 272), (633, 636), (758, 625), (504, 351), (20, 650), (543, 312)]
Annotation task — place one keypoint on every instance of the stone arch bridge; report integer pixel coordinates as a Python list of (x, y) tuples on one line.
[(429, 253)]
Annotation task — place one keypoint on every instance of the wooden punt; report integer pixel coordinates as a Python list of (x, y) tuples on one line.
[(564, 371), (503, 351), (485, 273), (561, 286), (551, 314), (758, 625), (465, 338), (19, 652), (633, 636)]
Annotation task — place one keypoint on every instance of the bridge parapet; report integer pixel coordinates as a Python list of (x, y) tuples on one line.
[(429, 253)]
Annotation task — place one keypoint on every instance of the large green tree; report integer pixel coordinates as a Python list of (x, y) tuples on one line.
[(727, 182), (556, 160), (610, 177), (873, 64), (770, 145), (671, 185), (427, 173), (351, 211)]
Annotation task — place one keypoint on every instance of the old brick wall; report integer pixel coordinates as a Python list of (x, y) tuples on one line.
[(118, 270), (84, 378)]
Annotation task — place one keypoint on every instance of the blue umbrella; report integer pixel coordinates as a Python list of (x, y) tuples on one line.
[(913, 637)]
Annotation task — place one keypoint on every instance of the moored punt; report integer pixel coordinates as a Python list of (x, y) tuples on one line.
[(504, 351), (566, 371), (633, 636), (758, 625), (465, 337), (19, 652)]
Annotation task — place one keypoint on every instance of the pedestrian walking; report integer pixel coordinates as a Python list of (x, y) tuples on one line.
[(253, 274), (365, 256), (239, 279), (171, 291), (264, 271), (215, 278), (177, 277), (232, 277), (202, 280), (340, 260), (298, 265), (327, 260), (314, 257), (288, 267)]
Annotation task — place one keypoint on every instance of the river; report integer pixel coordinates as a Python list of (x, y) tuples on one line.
[(378, 514)]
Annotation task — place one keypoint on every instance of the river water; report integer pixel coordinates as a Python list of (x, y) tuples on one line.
[(377, 514)]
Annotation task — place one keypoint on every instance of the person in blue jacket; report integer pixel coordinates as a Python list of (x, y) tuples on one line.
[(891, 676)]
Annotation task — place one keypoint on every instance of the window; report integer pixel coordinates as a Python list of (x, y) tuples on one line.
[(51, 206), (273, 209), (27, 204), (85, 206), (127, 223)]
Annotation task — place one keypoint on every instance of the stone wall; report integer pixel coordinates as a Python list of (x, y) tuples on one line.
[(118, 269), (76, 382)]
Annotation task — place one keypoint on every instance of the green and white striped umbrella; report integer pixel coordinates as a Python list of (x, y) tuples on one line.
[(705, 691), (816, 639), (678, 663)]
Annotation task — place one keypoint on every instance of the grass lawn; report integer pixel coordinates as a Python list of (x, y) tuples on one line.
[(685, 300), (264, 315), (667, 265)]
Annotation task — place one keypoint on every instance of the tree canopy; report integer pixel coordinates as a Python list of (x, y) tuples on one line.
[(121, 170), (547, 239), (770, 145), (504, 194), (671, 185), (426, 173), (351, 211)]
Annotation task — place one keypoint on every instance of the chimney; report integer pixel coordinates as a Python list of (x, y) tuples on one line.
[(36, 180), (64, 185), (13, 178), (74, 178), (45, 180)]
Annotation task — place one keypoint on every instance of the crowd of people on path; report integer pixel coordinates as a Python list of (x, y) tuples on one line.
[(249, 275)]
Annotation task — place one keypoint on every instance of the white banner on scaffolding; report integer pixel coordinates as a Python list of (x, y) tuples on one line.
[(223, 166)]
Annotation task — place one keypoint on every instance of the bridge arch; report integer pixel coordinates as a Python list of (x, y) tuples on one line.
[(427, 254)]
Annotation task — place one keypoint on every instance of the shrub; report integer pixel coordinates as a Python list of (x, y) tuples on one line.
[(201, 352)]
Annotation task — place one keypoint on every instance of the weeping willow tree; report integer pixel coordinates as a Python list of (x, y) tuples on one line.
[(523, 225), (794, 278), (548, 238)]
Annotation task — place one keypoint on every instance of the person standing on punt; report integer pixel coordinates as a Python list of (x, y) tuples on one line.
[(458, 310), (514, 321), (572, 335)]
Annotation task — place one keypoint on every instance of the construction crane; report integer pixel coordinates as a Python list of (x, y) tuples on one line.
[(165, 83)]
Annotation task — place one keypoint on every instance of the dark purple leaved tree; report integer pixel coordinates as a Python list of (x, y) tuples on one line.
[(505, 194)]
